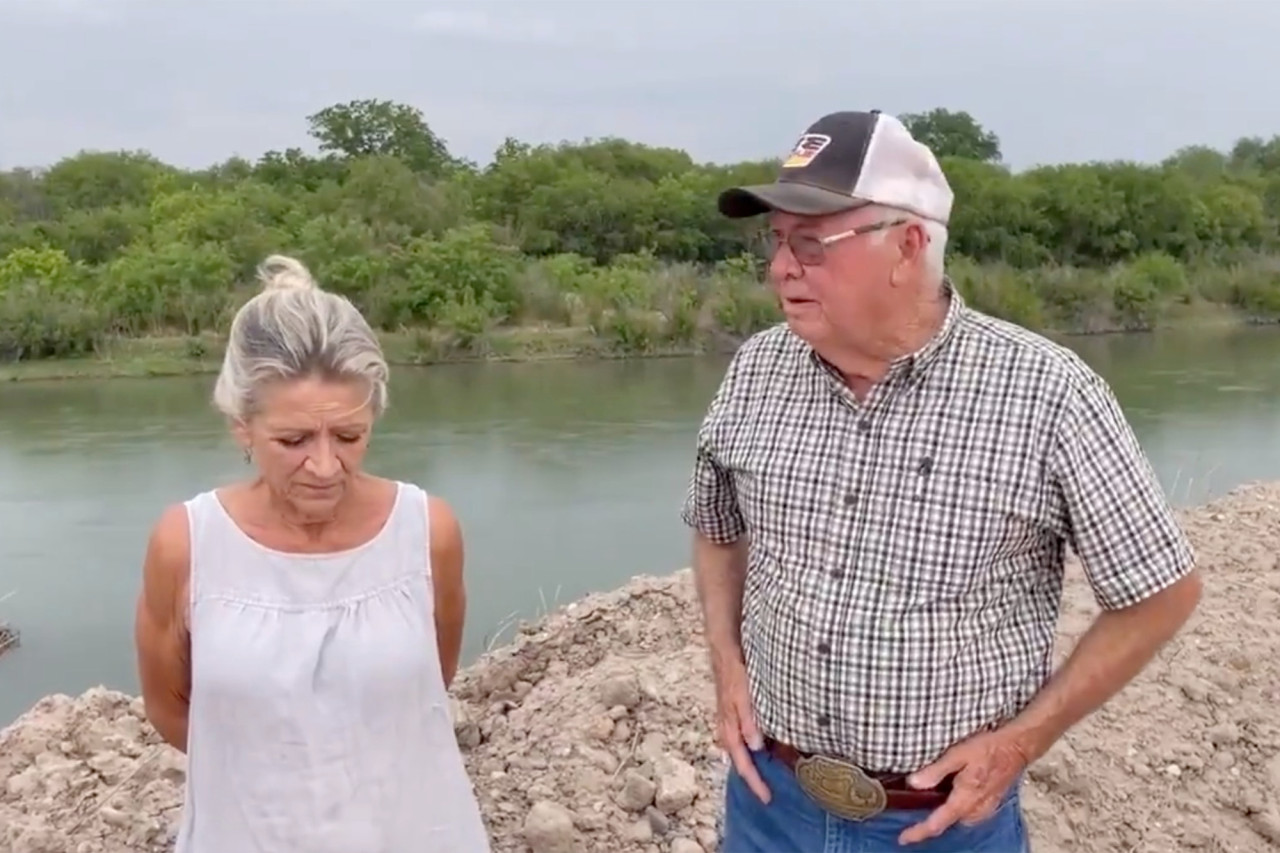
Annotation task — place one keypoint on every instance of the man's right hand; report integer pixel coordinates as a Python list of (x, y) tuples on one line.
[(736, 728)]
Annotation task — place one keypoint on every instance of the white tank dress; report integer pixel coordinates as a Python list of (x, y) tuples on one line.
[(319, 718)]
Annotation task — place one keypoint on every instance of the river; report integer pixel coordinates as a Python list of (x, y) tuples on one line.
[(568, 477)]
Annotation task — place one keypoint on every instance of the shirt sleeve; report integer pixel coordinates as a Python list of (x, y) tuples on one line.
[(1119, 521), (711, 504)]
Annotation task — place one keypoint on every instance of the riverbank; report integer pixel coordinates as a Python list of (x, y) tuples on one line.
[(591, 731), (202, 354)]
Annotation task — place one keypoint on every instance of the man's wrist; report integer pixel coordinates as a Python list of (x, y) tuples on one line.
[(726, 654), (1033, 733)]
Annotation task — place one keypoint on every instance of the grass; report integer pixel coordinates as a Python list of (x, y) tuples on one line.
[(560, 308), (196, 355), (179, 355), (515, 618), (9, 636)]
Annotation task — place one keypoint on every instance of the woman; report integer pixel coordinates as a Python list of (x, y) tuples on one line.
[(296, 632)]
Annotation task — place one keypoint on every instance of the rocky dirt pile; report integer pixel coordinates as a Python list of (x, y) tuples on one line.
[(591, 732)]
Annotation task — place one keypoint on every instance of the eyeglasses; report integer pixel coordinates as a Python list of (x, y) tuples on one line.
[(811, 251)]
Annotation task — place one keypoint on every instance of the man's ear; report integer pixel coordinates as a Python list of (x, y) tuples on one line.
[(915, 242), (912, 243)]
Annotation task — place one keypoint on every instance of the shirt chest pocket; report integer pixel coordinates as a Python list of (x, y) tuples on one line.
[(960, 525)]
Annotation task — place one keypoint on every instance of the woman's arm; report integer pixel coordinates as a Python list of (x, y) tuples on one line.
[(161, 638), (447, 559)]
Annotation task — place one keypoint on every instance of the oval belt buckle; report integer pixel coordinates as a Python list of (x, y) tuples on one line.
[(841, 788)]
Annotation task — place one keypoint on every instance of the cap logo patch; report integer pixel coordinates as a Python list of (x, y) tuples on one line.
[(809, 146)]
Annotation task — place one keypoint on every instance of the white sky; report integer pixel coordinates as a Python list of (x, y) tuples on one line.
[(195, 81)]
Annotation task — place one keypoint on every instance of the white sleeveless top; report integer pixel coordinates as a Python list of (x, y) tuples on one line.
[(319, 719)]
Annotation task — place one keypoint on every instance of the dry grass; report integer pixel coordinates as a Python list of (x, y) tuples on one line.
[(8, 633)]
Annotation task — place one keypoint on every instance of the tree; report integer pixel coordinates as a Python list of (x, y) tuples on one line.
[(953, 134), (606, 234), (381, 128)]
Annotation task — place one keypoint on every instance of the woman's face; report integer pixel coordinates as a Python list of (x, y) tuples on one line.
[(308, 438)]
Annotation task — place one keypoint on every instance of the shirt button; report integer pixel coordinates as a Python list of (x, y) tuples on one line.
[(824, 720), (836, 574), (864, 425), (849, 499), (824, 648)]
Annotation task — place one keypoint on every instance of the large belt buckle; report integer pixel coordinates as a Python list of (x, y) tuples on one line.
[(840, 787)]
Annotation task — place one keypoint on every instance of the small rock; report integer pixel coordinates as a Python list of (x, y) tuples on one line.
[(548, 828), (114, 816), (657, 820), (622, 731), (600, 758), (686, 845), (540, 791), (600, 728), (636, 793), (24, 784), (622, 690), (677, 784), (1224, 734), (651, 747), (110, 766), (640, 832), (593, 820), (1267, 824)]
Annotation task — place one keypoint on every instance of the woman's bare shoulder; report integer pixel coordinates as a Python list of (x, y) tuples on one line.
[(168, 559), (446, 529)]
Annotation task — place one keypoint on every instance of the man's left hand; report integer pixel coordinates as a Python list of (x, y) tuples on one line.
[(985, 765)]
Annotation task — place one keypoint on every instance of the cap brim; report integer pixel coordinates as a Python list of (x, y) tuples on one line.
[(785, 197)]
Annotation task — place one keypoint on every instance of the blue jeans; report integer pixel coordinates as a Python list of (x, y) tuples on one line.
[(793, 823)]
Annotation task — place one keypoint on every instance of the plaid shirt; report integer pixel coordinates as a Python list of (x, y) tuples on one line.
[(906, 552)]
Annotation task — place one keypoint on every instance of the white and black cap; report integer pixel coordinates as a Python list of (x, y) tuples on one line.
[(847, 160)]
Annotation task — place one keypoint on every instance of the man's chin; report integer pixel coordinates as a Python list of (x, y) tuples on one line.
[(806, 320)]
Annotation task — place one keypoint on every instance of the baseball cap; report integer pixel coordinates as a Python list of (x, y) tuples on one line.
[(846, 160)]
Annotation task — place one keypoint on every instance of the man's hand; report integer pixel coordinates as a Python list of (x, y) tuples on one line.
[(736, 724), (986, 766)]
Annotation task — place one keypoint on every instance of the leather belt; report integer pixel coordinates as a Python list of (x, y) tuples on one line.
[(848, 791)]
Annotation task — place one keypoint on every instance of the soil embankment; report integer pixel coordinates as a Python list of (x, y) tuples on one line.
[(591, 731)]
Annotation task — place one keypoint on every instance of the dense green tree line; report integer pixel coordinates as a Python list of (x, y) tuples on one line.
[(608, 235)]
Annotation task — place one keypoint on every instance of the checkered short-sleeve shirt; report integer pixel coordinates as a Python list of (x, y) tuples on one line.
[(906, 551)]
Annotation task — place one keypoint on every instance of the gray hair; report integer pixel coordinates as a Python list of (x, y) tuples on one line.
[(936, 252), (293, 330)]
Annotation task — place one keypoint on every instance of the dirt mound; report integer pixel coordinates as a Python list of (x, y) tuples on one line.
[(591, 731)]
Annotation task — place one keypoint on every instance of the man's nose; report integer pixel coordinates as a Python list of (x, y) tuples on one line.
[(783, 265)]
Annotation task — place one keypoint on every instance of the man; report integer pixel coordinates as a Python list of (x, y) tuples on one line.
[(883, 491)]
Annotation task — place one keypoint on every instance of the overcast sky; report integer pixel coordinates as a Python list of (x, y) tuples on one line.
[(195, 81)]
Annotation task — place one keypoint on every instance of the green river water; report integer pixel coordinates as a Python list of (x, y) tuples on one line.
[(568, 477)]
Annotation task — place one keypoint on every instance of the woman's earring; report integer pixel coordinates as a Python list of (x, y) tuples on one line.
[(248, 455)]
